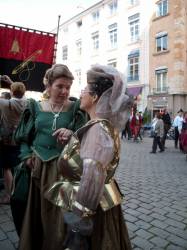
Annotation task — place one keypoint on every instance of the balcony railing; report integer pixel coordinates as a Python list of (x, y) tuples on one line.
[(163, 90)]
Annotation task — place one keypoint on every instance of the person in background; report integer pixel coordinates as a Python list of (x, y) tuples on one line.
[(177, 123), (133, 127), (167, 125), (54, 117), (126, 132), (183, 135), (158, 131), (5, 95), (90, 225), (11, 111), (139, 125)]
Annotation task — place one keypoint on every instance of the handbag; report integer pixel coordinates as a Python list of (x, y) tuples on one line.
[(25, 130), (21, 183)]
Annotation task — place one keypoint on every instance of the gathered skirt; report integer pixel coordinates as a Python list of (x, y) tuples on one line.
[(110, 230), (44, 228)]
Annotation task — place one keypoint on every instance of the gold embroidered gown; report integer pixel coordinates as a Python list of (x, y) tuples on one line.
[(99, 152)]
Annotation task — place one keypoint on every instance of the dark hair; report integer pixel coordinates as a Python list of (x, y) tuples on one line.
[(99, 81), (100, 85), (158, 115), (180, 111), (55, 72)]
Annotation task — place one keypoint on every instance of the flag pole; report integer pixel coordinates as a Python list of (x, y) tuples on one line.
[(56, 42)]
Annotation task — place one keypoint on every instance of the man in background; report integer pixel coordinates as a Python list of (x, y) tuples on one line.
[(167, 125), (11, 111), (177, 123)]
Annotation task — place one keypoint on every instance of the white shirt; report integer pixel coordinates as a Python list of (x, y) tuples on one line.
[(178, 122)]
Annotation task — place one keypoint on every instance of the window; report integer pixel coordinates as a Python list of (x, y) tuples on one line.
[(95, 16), (162, 8), (78, 74), (112, 30), (79, 24), (161, 80), (113, 7), (65, 52), (133, 2), (134, 27), (95, 39), (161, 42), (133, 66), (112, 62), (79, 47)]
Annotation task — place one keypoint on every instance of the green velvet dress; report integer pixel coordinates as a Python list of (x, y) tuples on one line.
[(43, 227)]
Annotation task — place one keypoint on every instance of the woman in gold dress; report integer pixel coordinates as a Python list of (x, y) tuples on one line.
[(89, 193)]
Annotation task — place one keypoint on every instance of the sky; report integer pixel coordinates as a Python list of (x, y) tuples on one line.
[(40, 14)]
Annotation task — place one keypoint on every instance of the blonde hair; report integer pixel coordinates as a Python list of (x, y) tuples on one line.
[(18, 89), (55, 72)]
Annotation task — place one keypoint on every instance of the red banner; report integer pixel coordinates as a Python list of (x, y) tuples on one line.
[(24, 45)]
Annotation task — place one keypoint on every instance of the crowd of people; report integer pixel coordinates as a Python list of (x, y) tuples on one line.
[(76, 213), (133, 127), (161, 125)]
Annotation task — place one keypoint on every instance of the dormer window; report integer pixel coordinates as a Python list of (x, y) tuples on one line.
[(79, 23)]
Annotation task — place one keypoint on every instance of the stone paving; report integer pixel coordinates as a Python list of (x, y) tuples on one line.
[(155, 188), (155, 204)]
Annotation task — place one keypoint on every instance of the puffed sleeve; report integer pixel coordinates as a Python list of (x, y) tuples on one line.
[(25, 131), (97, 149)]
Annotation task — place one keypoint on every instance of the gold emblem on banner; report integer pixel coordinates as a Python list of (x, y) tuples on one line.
[(15, 47), (24, 68), (26, 62)]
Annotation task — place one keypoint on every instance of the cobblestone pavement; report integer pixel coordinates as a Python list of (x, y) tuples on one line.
[(155, 204), (155, 188)]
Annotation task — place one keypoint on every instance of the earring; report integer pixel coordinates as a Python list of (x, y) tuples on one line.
[(94, 99)]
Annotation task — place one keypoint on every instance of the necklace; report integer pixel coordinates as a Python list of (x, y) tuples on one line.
[(56, 115)]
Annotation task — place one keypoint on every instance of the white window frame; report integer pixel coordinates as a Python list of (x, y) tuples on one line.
[(79, 47), (162, 38), (79, 76), (64, 52), (133, 2), (95, 39), (95, 16), (160, 8), (113, 35), (112, 62), (113, 6), (134, 27), (133, 68), (160, 74)]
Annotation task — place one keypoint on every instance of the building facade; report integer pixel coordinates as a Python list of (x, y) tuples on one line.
[(113, 33), (168, 56), (145, 40)]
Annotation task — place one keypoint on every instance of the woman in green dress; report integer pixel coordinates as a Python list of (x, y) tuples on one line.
[(57, 116)]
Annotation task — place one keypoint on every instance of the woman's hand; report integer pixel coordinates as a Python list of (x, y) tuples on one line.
[(63, 135), (29, 162)]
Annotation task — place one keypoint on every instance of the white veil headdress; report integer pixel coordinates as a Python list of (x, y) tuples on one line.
[(114, 104)]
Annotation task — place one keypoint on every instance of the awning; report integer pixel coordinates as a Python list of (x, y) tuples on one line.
[(134, 91)]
